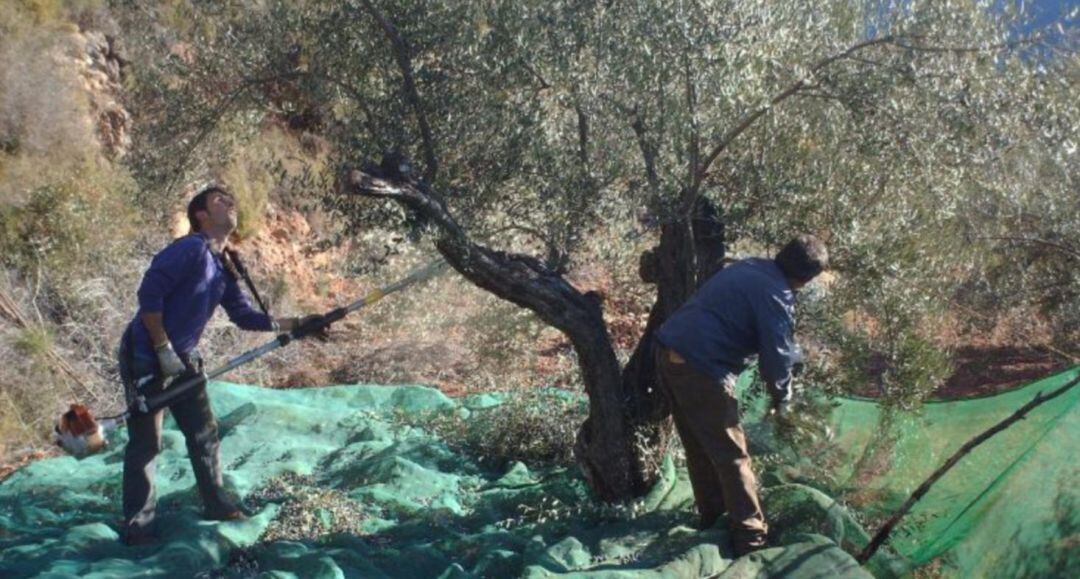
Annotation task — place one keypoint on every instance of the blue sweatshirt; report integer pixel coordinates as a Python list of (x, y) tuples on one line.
[(186, 282), (747, 308)]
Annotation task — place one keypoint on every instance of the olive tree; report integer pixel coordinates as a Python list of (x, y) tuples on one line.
[(527, 124)]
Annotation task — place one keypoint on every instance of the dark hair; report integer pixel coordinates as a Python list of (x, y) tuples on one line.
[(198, 203), (803, 258)]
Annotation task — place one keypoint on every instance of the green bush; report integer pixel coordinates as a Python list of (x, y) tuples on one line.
[(67, 225), (33, 342), (901, 368)]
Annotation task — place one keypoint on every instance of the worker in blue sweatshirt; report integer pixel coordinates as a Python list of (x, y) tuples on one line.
[(178, 295), (745, 309)]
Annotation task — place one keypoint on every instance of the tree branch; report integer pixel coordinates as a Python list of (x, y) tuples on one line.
[(544, 84), (1068, 251), (210, 121), (527, 282), (899, 43), (412, 97), (583, 137), (695, 132), (748, 118), (519, 278), (883, 534), (555, 256), (648, 152), (353, 92)]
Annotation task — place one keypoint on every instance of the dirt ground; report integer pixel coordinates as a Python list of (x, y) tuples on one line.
[(983, 370), (13, 464)]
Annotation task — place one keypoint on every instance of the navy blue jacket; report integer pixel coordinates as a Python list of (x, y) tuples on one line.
[(745, 309), (185, 282)]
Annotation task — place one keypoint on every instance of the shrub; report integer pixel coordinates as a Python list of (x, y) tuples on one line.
[(67, 224), (537, 426), (33, 342)]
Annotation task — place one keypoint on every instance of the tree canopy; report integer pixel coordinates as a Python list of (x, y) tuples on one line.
[(931, 143)]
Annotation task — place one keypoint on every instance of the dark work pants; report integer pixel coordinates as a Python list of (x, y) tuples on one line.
[(707, 419), (196, 421)]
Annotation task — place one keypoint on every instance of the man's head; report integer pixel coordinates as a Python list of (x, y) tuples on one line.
[(212, 208), (802, 259)]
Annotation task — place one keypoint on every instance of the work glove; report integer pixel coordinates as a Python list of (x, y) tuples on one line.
[(780, 406), (170, 362), (780, 398), (798, 361), (305, 327)]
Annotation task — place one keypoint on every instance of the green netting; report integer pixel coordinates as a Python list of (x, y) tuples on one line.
[(1008, 509), (392, 500), (417, 509)]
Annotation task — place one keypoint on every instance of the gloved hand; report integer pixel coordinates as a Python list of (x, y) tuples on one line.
[(780, 406), (780, 399), (170, 363), (798, 361), (305, 324)]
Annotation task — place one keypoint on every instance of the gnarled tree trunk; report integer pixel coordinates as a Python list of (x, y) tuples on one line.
[(687, 255), (628, 426)]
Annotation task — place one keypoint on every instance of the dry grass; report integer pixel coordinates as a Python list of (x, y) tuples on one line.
[(67, 233)]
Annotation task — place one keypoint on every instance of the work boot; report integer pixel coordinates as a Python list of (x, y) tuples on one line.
[(137, 536), (706, 522), (225, 515)]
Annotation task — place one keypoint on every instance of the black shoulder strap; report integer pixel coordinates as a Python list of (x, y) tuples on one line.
[(232, 262)]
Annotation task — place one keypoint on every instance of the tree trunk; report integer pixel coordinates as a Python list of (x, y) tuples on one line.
[(604, 448), (685, 258), (627, 430)]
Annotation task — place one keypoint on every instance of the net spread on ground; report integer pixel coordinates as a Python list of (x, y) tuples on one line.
[(341, 485)]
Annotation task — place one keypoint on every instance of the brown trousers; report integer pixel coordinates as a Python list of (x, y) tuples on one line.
[(707, 419)]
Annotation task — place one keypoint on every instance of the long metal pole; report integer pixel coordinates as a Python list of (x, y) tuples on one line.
[(144, 405)]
